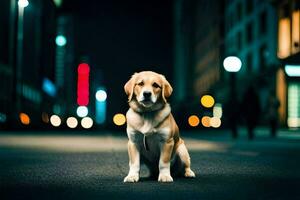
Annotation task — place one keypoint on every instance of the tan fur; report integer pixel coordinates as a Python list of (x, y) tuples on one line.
[(155, 121)]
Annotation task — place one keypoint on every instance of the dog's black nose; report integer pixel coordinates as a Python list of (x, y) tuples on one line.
[(147, 94)]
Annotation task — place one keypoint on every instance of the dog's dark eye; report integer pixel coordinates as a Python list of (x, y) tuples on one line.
[(155, 85), (141, 83)]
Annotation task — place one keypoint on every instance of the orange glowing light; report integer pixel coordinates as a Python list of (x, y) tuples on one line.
[(205, 121), (193, 120), (24, 118)]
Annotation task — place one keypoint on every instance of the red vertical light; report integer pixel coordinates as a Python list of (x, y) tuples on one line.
[(83, 84)]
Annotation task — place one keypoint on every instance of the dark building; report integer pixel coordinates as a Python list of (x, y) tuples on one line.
[(6, 60), (250, 34), (26, 59), (198, 54)]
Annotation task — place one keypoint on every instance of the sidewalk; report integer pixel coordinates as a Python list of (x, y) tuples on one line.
[(260, 133)]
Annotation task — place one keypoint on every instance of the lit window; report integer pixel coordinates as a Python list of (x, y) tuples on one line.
[(296, 31), (284, 38)]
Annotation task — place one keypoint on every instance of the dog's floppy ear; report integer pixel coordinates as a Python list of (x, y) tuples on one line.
[(166, 89), (129, 86)]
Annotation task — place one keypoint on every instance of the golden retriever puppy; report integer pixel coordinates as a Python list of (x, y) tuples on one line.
[(152, 131)]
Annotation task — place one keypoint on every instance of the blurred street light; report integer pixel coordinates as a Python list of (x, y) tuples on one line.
[(217, 110), (87, 122), (193, 120), (55, 120), (101, 95), (207, 101), (24, 118), (83, 84), (233, 64), (60, 40), (82, 111), (119, 119), (23, 3), (19, 51), (205, 121), (100, 104), (215, 122), (72, 122)]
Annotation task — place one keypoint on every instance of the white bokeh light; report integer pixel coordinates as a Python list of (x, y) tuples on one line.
[(23, 3), (232, 64), (82, 111), (55, 120), (101, 95), (87, 122), (72, 122)]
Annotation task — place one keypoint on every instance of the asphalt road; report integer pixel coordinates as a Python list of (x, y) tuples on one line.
[(93, 167)]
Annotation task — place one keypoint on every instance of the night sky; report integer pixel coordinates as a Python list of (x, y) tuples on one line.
[(122, 37)]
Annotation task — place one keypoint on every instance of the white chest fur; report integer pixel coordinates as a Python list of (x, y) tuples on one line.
[(147, 124)]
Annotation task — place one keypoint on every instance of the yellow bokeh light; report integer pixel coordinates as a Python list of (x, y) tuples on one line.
[(193, 120), (205, 121), (215, 122), (24, 118), (119, 119), (207, 101)]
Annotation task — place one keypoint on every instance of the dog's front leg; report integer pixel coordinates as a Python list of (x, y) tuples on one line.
[(164, 161), (134, 163)]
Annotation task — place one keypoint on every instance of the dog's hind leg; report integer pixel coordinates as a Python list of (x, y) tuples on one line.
[(184, 156)]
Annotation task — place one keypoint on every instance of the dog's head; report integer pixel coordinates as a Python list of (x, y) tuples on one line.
[(148, 88)]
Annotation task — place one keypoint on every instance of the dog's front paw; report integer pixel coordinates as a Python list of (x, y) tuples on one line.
[(165, 178), (189, 173), (131, 178)]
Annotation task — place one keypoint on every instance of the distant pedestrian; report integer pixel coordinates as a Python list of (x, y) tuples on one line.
[(250, 108), (272, 112), (232, 110)]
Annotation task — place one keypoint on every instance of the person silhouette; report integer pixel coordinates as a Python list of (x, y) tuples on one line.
[(251, 110), (272, 112)]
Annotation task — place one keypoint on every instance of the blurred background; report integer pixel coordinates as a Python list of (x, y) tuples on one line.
[(63, 63)]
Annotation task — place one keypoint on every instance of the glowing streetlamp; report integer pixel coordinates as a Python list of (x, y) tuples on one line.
[(60, 40), (19, 51), (233, 64), (23, 3)]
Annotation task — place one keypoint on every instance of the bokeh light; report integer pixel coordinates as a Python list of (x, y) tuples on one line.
[(23, 3), (55, 120), (217, 110), (193, 120), (215, 122), (232, 64), (87, 122), (119, 119), (72, 122), (82, 111), (101, 95), (45, 117), (205, 121), (60, 40), (207, 101), (24, 118), (83, 84)]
